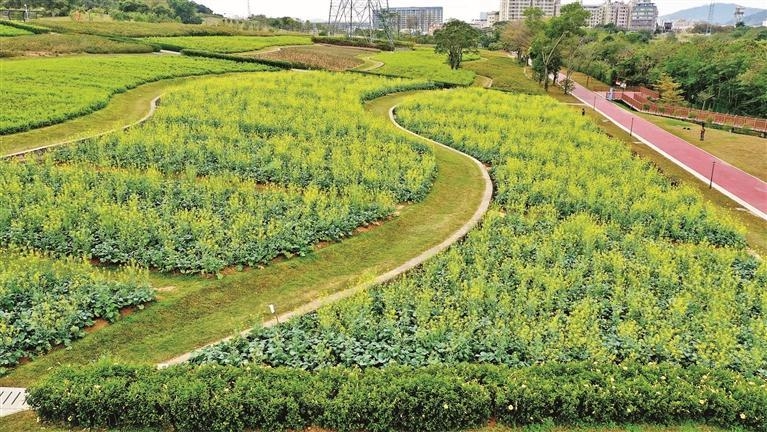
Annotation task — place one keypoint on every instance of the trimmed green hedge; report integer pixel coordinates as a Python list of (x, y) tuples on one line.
[(28, 27), (275, 63), (435, 398), (360, 43)]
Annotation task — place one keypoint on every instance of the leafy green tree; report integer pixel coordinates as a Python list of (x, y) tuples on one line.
[(545, 49), (455, 38), (186, 11)]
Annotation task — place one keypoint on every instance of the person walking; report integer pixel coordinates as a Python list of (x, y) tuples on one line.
[(702, 131), (583, 111)]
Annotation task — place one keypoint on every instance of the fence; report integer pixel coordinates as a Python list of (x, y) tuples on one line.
[(640, 102)]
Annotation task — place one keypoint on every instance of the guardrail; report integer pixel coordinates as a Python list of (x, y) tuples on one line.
[(640, 102)]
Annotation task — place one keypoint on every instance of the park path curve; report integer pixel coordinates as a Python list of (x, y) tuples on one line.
[(391, 274), (743, 188), (152, 108)]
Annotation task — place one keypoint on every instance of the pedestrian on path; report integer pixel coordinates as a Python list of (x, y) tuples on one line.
[(583, 111), (702, 131)]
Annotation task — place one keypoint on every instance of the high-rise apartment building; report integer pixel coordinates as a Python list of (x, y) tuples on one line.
[(644, 16), (513, 10), (422, 20), (635, 15)]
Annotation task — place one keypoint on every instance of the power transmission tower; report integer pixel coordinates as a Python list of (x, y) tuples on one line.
[(710, 19), (740, 11), (368, 16)]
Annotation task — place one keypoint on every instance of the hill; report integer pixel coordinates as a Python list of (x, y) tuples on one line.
[(723, 13), (756, 19)]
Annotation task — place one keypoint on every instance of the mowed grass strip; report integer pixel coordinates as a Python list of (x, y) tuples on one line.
[(229, 44), (194, 311)]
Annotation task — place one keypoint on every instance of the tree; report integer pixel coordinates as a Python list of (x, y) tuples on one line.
[(670, 92), (517, 37), (545, 49), (455, 38), (186, 11)]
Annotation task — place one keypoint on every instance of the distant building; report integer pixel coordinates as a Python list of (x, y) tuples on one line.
[(610, 12), (644, 16), (764, 23), (416, 20), (514, 10), (486, 20), (635, 15), (595, 19)]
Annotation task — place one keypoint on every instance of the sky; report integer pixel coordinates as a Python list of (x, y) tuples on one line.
[(461, 9)]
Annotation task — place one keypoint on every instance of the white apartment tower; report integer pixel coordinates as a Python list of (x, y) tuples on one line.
[(513, 10)]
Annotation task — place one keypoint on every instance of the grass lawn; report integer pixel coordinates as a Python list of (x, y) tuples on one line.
[(192, 311), (502, 69), (423, 62), (513, 75), (749, 153)]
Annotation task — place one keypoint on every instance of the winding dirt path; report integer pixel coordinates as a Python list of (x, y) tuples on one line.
[(393, 273)]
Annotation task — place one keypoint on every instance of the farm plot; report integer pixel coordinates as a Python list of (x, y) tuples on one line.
[(55, 44), (44, 91), (226, 173), (143, 29), (328, 57), (46, 302), (423, 63), (228, 44), (589, 255)]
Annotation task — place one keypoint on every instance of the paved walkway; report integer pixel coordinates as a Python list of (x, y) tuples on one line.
[(745, 189), (12, 400), (388, 276)]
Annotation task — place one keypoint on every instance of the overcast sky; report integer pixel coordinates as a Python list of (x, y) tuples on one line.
[(461, 9)]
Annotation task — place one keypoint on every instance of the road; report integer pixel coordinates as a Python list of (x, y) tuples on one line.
[(745, 189)]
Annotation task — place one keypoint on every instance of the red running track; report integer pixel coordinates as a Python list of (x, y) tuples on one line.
[(745, 189)]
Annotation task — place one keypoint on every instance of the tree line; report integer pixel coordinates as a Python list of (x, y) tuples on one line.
[(725, 71), (185, 11)]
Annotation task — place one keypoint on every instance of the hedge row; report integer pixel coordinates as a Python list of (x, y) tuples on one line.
[(436, 398), (28, 27), (267, 62), (360, 43)]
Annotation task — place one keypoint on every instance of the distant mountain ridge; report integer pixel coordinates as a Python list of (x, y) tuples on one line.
[(724, 13)]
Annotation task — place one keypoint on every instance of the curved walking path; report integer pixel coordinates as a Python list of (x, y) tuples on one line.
[(190, 312), (152, 108), (743, 188), (391, 274)]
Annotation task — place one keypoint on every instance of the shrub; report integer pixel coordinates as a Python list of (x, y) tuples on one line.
[(435, 398)]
